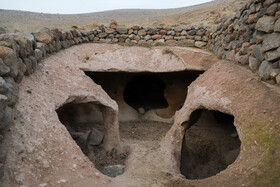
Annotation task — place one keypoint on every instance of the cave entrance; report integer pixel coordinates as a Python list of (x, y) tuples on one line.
[(210, 144), (145, 92), (146, 96), (84, 122)]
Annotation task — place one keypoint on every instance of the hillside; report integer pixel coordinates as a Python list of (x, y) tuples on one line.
[(204, 14)]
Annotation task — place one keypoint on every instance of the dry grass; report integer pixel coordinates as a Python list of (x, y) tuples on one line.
[(205, 14)]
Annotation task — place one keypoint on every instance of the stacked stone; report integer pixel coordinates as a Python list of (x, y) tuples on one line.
[(190, 37), (251, 37)]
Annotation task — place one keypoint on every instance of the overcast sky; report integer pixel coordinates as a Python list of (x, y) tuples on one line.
[(86, 6)]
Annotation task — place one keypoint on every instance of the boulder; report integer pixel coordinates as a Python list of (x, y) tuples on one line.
[(22, 70), (184, 33), (147, 37), (26, 45), (156, 37), (43, 37), (128, 40), (242, 59), (265, 24), (172, 33), (244, 48), (34, 62), (5, 112), (200, 44), (12, 93), (3, 86), (102, 35), (254, 63), (109, 31), (163, 32), (9, 58), (4, 69), (151, 31), (142, 32), (92, 137), (200, 32), (43, 48), (90, 37), (265, 70), (267, 3), (274, 73), (56, 34), (28, 64), (258, 53), (7, 40), (277, 26), (272, 55), (272, 9), (270, 42), (122, 30), (114, 170), (192, 32), (253, 18), (135, 27), (186, 43)]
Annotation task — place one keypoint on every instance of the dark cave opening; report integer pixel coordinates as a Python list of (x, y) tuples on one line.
[(85, 124), (145, 91), (163, 92), (210, 144)]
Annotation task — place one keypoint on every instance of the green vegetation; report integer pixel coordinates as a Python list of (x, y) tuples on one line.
[(267, 137)]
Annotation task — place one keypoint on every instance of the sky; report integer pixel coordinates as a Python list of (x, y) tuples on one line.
[(87, 6)]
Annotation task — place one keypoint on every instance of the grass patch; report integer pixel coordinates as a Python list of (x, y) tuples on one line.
[(267, 137)]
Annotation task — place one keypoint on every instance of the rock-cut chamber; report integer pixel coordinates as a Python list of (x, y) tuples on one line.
[(210, 144), (84, 122)]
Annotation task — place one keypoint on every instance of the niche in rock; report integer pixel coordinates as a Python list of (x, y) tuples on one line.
[(84, 121), (138, 94), (145, 92), (210, 144)]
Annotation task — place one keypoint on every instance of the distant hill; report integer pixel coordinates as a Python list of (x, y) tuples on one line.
[(204, 14)]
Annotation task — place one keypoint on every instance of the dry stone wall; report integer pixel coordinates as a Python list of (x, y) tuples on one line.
[(251, 37)]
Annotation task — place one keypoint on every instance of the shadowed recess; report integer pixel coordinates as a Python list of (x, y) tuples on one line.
[(210, 144)]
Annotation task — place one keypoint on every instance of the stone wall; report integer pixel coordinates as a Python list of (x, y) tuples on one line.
[(251, 37)]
